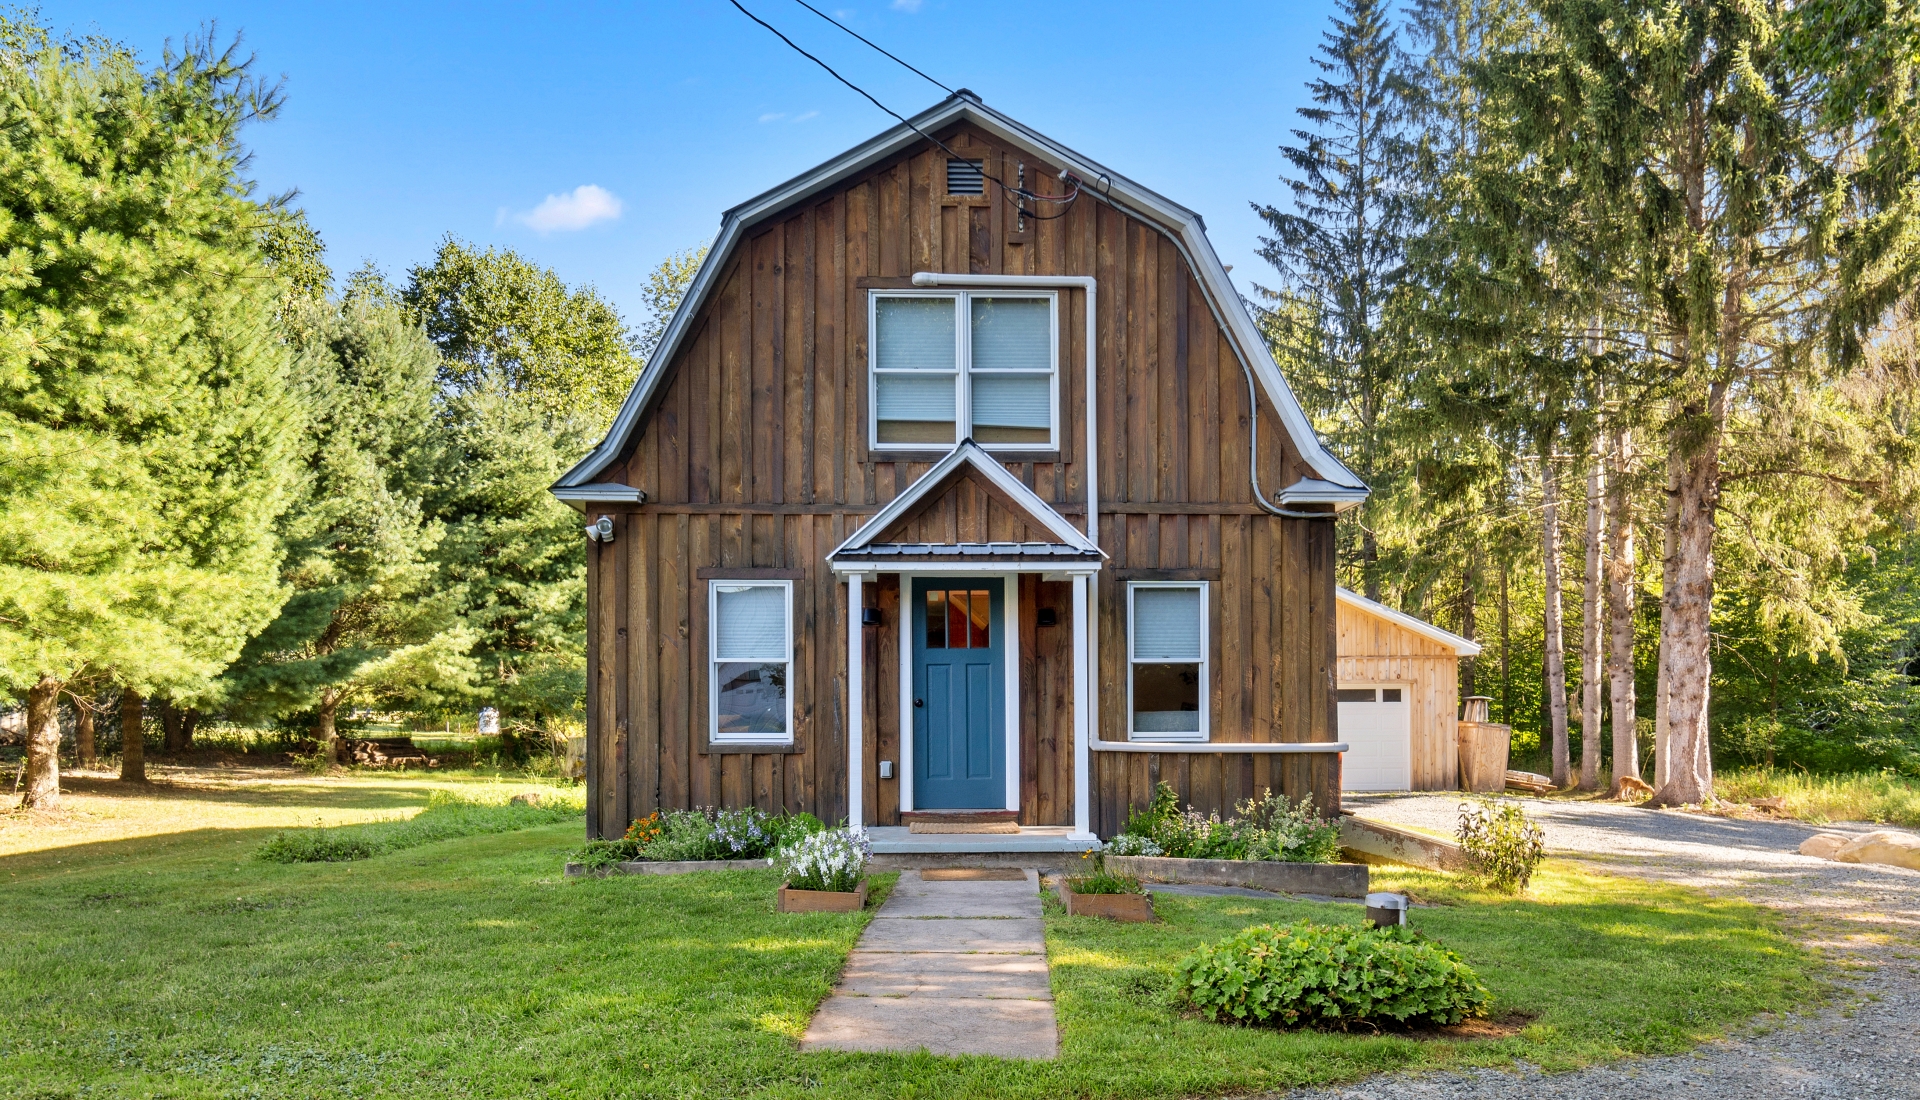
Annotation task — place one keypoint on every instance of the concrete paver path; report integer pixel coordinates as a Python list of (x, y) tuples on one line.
[(949, 967)]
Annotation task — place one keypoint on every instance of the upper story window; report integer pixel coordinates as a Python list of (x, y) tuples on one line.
[(1167, 661), (950, 365)]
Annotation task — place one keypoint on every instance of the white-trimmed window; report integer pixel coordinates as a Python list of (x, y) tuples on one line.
[(947, 365), (751, 638), (1167, 661)]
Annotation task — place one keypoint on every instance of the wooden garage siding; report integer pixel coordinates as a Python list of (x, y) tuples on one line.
[(753, 454), (1376, 650)]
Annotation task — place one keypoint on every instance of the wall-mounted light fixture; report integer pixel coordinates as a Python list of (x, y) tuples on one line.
[(601, 530), (1047, 616), (869, 616)]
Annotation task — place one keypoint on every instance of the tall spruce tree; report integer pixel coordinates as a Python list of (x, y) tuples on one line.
[(145, 413), (1340, 250)]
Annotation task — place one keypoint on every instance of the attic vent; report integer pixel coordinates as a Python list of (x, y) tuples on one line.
[(964, 178)]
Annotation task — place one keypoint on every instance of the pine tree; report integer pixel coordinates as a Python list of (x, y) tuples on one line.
[(365, 604), (145, 413), (1339, 252)]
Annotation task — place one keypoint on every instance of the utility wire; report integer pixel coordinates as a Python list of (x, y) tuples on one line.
[(863, 38), (1018, 192)]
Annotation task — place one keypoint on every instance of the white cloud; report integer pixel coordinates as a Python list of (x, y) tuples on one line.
[(773, 116), (908, 6), (579, 208), (805, 117)]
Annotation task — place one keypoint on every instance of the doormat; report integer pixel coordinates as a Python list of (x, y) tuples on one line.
[(973, 874)]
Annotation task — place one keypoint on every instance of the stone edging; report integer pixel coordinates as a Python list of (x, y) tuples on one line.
[(678, 867), (1341, 880)]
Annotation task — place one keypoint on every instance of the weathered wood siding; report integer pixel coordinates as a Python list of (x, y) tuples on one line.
[(753, 454), (1376, 650)]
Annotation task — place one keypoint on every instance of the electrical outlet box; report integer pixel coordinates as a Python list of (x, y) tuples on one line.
[(886, 769)]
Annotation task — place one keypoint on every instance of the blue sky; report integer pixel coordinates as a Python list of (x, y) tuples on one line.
[(405, 122)]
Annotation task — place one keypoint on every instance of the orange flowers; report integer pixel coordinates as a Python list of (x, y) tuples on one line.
[(644, 829)]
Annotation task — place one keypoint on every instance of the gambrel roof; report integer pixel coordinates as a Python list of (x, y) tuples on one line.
[(1334, 483)]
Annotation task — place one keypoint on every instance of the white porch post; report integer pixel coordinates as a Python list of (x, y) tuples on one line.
[(856, 707), (1082, 725)]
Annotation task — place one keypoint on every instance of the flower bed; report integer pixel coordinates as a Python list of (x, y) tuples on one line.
[(1267, 829), (707, 838)]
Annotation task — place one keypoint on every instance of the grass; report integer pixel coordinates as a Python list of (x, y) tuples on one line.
[(179, 966), (1884, 797), (447, 816)]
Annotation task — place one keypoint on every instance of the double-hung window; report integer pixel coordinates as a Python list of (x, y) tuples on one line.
[(751, 636), (1167, 661), (948, 366)]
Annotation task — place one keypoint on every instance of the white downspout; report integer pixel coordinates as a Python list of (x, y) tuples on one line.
[(856, 707)]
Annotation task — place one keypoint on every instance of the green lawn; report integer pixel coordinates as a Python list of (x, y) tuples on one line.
[(182, 967)]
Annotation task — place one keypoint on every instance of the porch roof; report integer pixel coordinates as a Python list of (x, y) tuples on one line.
[(1069, 545)]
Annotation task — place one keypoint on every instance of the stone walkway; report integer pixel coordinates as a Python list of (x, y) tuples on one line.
[(950, 967)]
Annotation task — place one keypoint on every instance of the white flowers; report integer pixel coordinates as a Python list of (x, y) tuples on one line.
[(830, 860)]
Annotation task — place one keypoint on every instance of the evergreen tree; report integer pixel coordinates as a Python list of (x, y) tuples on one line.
[(367, 620), (1340, 251), (145, 415)]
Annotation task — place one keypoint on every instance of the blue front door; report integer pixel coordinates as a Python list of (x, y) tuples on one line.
[(959, 695)]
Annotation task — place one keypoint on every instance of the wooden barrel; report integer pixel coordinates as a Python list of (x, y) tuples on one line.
[(1483, 756)]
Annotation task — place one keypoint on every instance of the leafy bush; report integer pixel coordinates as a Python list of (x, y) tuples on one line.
[(1504, 845), (1127, 844), (1328, 975), (445, 817), (1267, 828), (831, 860)]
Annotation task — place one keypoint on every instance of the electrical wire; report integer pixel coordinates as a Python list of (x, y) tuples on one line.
[(863, 38), (1018, 192)]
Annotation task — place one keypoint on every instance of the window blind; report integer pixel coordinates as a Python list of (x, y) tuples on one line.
[(905, 397), (750, 622), (915, 334), (1166, 624), (1012, 334), (1012, 401)]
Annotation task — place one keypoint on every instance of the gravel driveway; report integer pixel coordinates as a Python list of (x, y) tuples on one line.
[(1868, 1046)]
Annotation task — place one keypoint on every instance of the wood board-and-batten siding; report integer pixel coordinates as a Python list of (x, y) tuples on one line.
[(753, 454), (1377, 650)]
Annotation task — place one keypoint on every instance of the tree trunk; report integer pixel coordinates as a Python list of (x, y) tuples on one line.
[(1662, 724), (42, 779), (1555, 643), (1468, 628), (189, 721), (87, 752), (133, 748), (1506, 648), (1686, 611), (1620, 598), (170, 725), (1592, 664), (323, 724)]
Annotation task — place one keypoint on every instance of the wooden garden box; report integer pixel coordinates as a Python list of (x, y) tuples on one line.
[(1132, 908), (823, 901)]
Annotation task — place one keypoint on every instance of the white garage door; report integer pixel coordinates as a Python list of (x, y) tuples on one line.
[(1374, 723)]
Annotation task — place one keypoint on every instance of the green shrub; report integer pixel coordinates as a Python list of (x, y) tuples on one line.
[(1267, 828), (446, 816), (1504, 845), (1328, 975)]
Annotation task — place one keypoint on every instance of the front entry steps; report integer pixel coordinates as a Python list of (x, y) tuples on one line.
[(998, 822), (950, 966)]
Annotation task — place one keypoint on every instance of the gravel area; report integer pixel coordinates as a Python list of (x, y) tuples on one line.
[(1868, 1045)]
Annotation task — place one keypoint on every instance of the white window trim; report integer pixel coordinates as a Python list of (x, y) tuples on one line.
[(1205, 732), (713, 663), (963, 363)]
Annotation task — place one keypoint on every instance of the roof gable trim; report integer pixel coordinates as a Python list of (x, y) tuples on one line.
[(1461, 646), (968, 454)]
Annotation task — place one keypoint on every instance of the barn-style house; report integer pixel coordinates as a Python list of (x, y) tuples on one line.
[(961, 482)]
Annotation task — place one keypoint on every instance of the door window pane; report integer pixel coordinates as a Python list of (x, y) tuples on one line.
[(936, 618), (981, 614), (958, 618), (1353, 695)]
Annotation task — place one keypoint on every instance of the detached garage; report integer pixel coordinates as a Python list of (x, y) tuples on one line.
[(1399, 699)]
